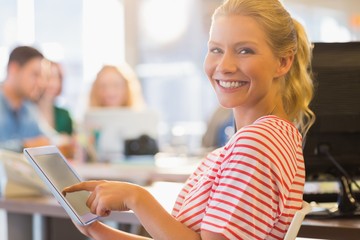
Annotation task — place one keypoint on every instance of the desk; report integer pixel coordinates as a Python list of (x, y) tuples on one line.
[(166, 193), (23, 213), (31, 214), (348, 229)]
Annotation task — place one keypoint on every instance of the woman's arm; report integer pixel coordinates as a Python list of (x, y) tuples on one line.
[(100, 231), (157, 221)]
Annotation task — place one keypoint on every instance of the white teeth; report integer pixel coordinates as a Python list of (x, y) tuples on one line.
[(227, 84)]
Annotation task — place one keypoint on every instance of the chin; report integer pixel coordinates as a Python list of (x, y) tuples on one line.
[(225, 103)]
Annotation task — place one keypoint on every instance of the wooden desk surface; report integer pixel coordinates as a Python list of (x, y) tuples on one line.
[(353, 223), (334, 228)]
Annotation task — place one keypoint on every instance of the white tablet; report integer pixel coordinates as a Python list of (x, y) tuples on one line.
[(57, 174)]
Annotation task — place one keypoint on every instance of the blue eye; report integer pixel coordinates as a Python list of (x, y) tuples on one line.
[(246, 51), (215, 50)]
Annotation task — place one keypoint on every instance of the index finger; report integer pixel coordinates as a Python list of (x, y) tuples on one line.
[(87, 186)]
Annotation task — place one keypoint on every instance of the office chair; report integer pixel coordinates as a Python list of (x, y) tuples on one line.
[(296, 222)]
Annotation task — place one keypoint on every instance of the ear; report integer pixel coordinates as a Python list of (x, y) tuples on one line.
[(13, 68), (285, 65)]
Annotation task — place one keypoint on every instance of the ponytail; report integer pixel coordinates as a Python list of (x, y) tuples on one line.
[(299, 88)]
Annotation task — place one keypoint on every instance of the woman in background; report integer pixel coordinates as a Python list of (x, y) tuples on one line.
[(55, 117), (258, 64), (116, 86)]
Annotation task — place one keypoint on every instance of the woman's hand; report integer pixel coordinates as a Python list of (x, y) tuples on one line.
[(106, 196)]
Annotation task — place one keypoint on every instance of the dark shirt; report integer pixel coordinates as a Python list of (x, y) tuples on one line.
[(63, 121)]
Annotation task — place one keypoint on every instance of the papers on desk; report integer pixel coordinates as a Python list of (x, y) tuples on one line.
[(17, 177)]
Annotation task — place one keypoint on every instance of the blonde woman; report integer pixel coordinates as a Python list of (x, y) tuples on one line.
[(257, 62), (116, 86)]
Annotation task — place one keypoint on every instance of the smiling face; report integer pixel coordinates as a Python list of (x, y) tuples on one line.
[(241, 65), (53, 74), (112, 89), (55, 81)]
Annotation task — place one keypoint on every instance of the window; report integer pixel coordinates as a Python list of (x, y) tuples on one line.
[(82, 35), (165, 41)]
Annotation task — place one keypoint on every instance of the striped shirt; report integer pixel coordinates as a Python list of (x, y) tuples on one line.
[(250, 188)]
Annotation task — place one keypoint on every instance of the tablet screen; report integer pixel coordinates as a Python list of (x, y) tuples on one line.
[(61, 176)]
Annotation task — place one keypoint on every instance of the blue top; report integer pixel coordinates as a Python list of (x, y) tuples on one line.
[(17, 125), (225, 131)]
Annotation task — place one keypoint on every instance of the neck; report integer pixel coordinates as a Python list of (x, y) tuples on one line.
[(273, 110), (45, 101), (46, 107), (246, 116)]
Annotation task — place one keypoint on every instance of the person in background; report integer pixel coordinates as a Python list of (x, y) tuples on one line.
[(57, 118), (258, 62), (220, 128), (116, 86), (19, 122)]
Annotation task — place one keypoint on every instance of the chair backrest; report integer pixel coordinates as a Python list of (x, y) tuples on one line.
[(296, 222)]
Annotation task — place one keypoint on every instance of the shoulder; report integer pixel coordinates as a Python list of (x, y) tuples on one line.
[(2, 98), (31, 107), (61, 112), (2, 102), (4, 107), (272, 123), (269, 139), (268, 128)]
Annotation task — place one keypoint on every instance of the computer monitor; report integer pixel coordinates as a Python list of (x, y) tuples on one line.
[(111, 127), (336, 68)]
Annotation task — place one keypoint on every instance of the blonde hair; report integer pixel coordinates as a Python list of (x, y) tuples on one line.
[(46, 67), (285, 36), (134, 98)]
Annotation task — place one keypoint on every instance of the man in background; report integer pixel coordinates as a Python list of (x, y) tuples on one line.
[(19, 122)]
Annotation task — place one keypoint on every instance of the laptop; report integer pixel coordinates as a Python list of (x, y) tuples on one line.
[(109, 128)]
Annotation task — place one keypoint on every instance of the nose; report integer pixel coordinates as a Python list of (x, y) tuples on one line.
[(227, 63)]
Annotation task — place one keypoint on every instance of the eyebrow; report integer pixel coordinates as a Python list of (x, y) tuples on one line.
[(236, 44)]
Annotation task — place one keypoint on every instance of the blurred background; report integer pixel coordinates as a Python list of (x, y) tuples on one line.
[(164, 41)]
